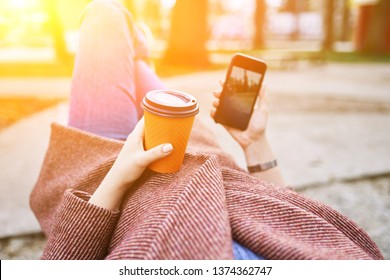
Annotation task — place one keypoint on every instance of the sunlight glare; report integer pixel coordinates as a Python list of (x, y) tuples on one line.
[(168, 4), (275, 3), (19, 4), (235, 5)]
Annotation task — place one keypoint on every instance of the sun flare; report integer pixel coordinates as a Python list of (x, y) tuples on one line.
[(22, 4)]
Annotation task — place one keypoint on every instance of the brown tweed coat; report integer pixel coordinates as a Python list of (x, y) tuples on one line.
[(192, 214)]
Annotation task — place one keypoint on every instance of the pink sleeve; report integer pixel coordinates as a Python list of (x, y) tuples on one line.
[(81, 229)]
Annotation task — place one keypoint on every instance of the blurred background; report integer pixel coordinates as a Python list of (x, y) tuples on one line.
[(47, 30), (192, 33), (328, 81)]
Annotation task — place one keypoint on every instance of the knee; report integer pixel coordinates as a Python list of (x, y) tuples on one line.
[(108, 13)]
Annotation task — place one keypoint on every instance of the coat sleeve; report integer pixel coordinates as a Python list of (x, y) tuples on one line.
[(81, 230)]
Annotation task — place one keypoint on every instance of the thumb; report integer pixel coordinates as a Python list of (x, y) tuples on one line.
[(157, 152)]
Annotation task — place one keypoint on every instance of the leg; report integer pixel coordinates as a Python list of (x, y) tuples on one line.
[(145, 80), (104, 94)]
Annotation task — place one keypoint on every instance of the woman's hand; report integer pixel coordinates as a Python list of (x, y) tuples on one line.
[(128, 167), (253, 140), (133, 159), (257, 124)]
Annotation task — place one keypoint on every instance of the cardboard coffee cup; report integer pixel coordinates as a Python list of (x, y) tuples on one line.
[(169, 116)]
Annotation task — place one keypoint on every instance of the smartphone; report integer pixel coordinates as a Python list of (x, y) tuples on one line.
[(244, 78)]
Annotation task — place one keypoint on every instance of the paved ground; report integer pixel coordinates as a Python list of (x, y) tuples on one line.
[(329, 127)]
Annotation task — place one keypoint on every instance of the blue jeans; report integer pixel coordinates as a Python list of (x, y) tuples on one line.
[(110, 78)]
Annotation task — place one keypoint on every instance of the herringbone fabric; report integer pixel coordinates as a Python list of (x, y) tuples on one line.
[(192, 214)]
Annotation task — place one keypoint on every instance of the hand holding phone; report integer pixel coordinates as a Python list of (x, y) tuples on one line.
[(257, 123), (240, 91)]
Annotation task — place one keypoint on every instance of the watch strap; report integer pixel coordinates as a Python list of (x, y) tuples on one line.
[(262, 166)]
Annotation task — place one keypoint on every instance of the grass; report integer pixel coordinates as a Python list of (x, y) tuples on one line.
[(331, 56), (164, 70), (353, 57), (13, 109)]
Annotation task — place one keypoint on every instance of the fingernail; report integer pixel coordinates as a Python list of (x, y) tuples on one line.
[(167, 148)]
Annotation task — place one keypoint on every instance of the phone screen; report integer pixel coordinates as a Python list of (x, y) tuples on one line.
[(240, 93)]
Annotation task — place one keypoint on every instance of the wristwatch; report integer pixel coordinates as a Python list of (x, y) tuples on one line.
[(262, 166)]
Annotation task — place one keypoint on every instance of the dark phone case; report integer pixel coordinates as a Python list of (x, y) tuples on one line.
[(225, 117)]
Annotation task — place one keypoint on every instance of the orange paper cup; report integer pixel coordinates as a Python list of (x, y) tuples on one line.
[(169, 116)]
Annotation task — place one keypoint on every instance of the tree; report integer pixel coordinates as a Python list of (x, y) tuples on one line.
[(188, 34), (260, 20), (346, 15), (56, 30), (294, 7), (328, 25), (373, 32)]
